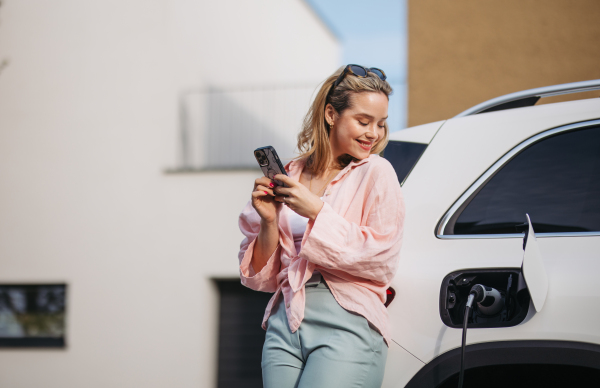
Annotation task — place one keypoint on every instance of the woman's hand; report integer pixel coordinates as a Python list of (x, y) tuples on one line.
[(268, 236), (299, 198), (263, 200)]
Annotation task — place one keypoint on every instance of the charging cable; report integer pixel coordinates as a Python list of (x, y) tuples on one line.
[(464, 335), (490, 302)]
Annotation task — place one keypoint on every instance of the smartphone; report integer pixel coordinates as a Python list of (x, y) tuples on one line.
[(269, 163)]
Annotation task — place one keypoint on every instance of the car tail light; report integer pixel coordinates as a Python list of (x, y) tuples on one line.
[(390, 295)]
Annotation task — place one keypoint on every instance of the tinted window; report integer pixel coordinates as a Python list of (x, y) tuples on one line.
[(556, 181), (403, 156)]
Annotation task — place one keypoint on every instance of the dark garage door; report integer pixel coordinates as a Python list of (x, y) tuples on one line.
[(240, 335)]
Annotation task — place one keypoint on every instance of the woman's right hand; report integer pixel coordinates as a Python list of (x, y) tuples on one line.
[(263, 199)]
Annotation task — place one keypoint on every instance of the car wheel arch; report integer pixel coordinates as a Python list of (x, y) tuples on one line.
[(489, 354)]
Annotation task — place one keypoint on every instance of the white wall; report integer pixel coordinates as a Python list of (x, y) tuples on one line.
[(88, 124)]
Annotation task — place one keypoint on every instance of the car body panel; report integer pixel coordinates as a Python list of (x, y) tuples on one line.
[(461, 151), (419, 134), (400, 366)]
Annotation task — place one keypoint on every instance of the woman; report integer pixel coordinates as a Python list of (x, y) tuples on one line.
[(331, 250)]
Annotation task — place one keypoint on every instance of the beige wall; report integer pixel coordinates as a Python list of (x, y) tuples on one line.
[(88, 125), (463, 52)]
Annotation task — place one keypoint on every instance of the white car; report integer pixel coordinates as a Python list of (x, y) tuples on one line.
[(469, 183)]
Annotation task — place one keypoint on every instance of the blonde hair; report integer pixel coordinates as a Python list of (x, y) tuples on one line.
[(313, 139)]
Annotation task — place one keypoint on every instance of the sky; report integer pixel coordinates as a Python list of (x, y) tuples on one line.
[(373, 34)]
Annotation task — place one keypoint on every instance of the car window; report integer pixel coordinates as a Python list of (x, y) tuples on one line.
[(403, 156), (556, 181)]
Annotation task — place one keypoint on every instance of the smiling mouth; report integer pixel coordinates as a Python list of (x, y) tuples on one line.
[(365, 145)]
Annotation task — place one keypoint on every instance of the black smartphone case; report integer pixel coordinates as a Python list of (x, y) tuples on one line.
[(274, 165)]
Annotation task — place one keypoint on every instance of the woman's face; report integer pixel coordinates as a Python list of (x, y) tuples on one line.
[(360, 127)]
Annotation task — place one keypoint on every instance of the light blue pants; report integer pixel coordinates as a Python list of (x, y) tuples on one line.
[(332, 348)]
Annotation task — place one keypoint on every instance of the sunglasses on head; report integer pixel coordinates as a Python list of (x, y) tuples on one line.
[(360, 72)]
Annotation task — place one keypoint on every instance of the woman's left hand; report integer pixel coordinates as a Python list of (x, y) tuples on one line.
[(299, 198)]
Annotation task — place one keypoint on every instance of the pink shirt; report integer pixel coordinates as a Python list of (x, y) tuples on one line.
[(354, 243)]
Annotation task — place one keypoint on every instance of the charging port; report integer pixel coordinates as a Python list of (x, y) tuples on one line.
[(509, 282)]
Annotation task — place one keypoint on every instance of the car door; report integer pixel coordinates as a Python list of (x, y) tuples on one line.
[(555, 178), (495, 172)]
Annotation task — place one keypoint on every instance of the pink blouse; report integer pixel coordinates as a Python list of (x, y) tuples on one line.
[(354, 243)]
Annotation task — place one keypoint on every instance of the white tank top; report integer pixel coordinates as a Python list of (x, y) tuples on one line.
[(298, 224)]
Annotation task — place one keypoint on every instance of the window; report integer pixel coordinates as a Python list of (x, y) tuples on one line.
[(32, 315), (403, 156), (241, 337), (555, 180)]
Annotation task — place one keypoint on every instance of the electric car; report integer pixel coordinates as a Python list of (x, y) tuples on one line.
[(505, 195)]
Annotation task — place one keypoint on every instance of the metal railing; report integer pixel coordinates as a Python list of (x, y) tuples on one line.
[(219, 128)]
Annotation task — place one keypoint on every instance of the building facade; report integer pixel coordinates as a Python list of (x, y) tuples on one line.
[(464, 52), (94, 189)]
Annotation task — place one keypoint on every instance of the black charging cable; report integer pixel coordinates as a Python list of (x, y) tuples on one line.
[(477, 294), (464, 337)]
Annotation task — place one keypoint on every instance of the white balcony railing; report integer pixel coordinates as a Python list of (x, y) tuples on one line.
[(219, 128)]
